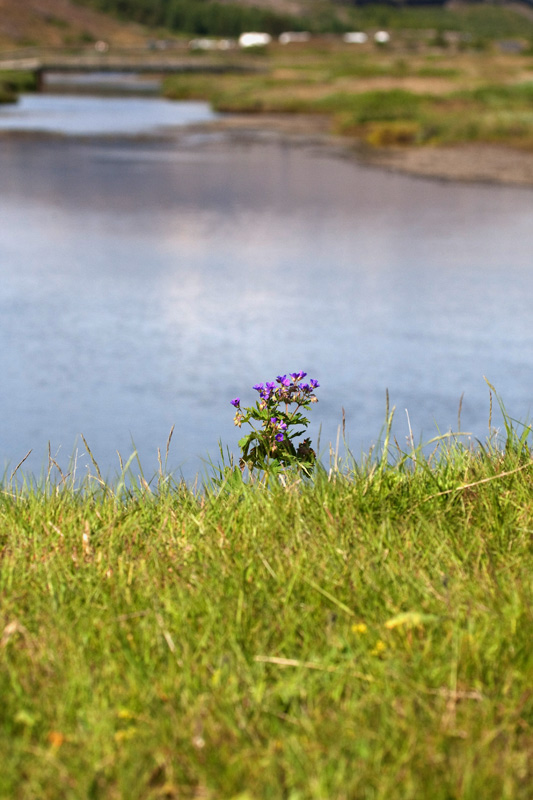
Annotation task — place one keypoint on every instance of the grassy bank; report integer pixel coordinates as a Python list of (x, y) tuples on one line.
[(12, 82), (364, 635), (6, 96), (383, 96)]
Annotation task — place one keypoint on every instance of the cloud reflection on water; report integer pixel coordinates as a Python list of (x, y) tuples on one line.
[(144, 291)]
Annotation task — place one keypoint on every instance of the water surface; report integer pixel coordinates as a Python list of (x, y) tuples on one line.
[(99, 115), (146, 283)]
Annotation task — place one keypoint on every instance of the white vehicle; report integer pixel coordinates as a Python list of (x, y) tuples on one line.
[(293, 36), (355, 37), (253, 39)]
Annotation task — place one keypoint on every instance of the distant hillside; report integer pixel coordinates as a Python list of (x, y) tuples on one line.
[(59, 23), (224, 17), (478, 18)]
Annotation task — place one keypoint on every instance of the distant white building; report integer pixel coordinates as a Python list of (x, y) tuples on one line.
[(253, 39), (382, 37)]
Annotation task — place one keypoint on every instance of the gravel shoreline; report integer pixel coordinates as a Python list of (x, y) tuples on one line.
[(481, 163)]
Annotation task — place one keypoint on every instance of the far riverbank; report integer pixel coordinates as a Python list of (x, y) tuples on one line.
[(471, 162), (468, 161)]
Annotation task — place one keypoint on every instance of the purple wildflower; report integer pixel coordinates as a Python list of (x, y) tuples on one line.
[(297, 376), (259, 387), (267, 391), (236, 402), (314, 384), (279, 437), (283, 380)]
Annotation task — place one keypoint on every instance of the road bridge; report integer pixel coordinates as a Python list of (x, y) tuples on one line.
[(122, 63)]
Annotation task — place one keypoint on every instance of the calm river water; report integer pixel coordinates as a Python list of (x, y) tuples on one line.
[(146, 281)]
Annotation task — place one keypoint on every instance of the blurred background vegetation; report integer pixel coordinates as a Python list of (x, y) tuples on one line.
[(208, 17), (451, 72)]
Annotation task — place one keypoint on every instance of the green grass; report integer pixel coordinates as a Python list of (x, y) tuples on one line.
[(12, 82), (501, 97), (382, 98), (18, 80), (375, 106), (363, 635), (6, 96), (399, 117)]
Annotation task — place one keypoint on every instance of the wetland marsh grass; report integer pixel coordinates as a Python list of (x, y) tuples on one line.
[(365, 633), (12, 82), (383, 97)]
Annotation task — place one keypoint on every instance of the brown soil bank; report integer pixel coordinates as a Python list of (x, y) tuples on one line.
[(466, 162)]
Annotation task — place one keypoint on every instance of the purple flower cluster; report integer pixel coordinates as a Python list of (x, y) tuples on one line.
[(266, 390), (290, 390), (276, 419), (287, 389)]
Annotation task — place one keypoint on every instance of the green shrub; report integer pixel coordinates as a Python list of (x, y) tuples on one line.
[(388, 134), (16, 81), (6, 95)]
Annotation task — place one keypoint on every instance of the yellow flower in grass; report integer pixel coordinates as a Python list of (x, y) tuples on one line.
[(125, 713), (359, 627), (379, 648)]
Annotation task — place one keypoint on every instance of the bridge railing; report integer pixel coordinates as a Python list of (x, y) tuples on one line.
[(131, 60)]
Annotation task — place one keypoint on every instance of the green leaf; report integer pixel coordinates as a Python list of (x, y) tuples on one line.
[(295, 434), (246, 440)]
